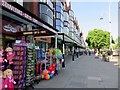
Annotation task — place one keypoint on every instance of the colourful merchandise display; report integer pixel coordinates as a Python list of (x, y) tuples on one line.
[(1, 59), (1, 80), (52, 63), (30, 64), (19, 62)]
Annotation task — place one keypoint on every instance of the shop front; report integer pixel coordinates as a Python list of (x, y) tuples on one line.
[(20, 52), (68, 45)]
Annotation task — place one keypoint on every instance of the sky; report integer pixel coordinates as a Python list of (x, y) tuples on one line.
[(89, 13)]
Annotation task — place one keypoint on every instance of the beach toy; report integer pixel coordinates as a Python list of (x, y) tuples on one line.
[(45, 72), (51, 75)]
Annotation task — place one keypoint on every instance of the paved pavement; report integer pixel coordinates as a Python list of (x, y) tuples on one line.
[(84, 72)]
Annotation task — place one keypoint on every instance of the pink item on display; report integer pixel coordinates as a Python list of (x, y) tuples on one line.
[(1, 81), (10, 56), (1, 54), (9, 80), (53, 72), (45, 72), (1, 59)]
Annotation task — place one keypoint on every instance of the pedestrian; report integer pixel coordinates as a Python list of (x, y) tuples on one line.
[(89, 52), (73, 53), (77, 53)]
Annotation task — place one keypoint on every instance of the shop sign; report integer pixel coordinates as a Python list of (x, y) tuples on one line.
[(9, 28), (9, 37), (48, 40), (34, 32), (23, 14)]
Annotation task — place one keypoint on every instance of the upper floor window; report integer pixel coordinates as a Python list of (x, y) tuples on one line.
[(19, 2), (62, 18), (45, 10), (58, 28), (62, 11), (43, 1), (71, 13), (58, 8), (58, 15), (58, 3), (65, 24), (49, 2), (58, 22)]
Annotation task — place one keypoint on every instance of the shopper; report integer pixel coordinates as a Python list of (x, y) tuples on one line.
[(77, 52), (89, 52)]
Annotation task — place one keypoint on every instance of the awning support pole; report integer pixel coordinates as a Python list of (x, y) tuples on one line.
[(73, 53), (63, 63), (56, 36)]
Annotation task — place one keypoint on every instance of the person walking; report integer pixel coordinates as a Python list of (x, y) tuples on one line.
[(89, 52), (77, 51)]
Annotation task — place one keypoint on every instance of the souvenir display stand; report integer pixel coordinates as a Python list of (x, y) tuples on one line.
[(52, 63), (30, 65), (59, 58), (47, 71), (19, 64)]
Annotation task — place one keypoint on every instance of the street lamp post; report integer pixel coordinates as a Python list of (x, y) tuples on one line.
[(110, 22), (109, 17), (110, 27)]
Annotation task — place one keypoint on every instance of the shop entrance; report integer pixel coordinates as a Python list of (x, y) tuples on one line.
[(8, 41)]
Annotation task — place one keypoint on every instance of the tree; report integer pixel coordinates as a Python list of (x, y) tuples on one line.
[(98, 39)]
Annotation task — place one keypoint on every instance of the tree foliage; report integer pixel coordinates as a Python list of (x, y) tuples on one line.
[(98, 39)]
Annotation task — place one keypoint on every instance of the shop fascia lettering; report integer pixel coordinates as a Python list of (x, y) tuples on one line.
[(12, 8)]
